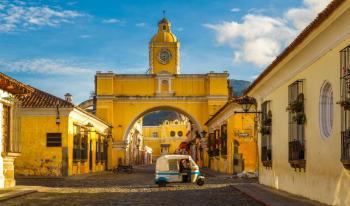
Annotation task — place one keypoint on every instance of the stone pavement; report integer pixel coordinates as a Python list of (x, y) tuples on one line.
[(9, 193), (138, 189)]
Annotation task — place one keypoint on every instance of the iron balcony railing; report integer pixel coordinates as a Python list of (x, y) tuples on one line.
[(345, 147), (296, 150), (266, 154)]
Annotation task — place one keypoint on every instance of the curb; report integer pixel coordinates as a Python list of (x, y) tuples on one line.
[(251, 196), (14, 194)]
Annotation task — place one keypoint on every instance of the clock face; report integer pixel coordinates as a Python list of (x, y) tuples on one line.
[(164, 56)]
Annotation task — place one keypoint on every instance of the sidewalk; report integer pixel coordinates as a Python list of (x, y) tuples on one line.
[(272, 197), (9, 193)]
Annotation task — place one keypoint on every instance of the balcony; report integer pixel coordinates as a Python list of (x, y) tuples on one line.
[(297, 154), (345, 148)]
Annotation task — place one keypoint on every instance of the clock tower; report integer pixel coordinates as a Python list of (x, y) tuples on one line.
[(164, 50)]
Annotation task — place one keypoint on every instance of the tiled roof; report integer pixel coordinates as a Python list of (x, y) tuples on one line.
[(41, 99), (236, 100), (13, 86), (300, 38)]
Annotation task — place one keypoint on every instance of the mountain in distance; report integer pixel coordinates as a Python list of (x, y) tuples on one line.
[(239, 86)]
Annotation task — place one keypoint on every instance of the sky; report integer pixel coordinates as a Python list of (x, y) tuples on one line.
[(59, 45)]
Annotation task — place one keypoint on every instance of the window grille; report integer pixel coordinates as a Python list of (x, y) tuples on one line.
[(223, 139), (84, 144), (345, 105), (266, 131), (77, 144), (297, 120), (54, 139), (98, 149)]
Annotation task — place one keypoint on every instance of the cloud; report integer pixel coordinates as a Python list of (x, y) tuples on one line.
[(111, 21), (19, 16), (301, 17), (141, 24), (44, 66), (259, 38), (235, 10)]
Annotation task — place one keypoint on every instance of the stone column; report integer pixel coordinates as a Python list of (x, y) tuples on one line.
[(9, 171)]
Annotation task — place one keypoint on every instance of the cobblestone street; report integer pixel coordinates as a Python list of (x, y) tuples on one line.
[(130, 189)]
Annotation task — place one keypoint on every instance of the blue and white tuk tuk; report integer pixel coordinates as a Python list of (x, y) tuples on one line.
[(177, 168)]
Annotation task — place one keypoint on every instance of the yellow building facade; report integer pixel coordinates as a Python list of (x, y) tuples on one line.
[(60, 139), (122, 99), (167, 137), (304, 99), (232, 142)]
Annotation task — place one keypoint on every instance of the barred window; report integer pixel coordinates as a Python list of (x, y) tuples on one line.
[(76, 143), (223, 139), (266, 127), (98, 148), (54, 139), (84, 144), (297, 120), (345, 105)]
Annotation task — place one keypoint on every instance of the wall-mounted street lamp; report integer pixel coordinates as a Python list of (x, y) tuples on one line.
[(247, 103), (58, 120)]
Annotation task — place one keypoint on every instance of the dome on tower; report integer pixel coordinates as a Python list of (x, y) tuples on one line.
[(164, 35)]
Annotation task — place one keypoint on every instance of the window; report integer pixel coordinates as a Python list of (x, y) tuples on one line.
[(211, 144), (164, 148), (155, 134), (172, 134), (84, 144), (173, 165), (54, 139), (98, 148), (164, 28), (345, 105), (180, 133), (223, 139), (297, 120), (76, 143), (266, 125), (326, 109), (104, 153)]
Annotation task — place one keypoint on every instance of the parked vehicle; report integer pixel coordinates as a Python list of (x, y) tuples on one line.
[(177, 168), (123, 168)]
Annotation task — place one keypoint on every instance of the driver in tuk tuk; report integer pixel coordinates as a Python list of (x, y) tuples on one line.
[(185, 169)]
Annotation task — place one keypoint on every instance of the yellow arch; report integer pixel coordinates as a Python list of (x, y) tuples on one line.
[(165, 107)]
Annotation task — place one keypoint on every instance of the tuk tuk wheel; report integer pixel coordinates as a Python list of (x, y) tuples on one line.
[(200, 182), (162, 184)]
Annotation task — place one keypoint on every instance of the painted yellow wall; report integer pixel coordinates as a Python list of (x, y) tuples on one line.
[(38, 159), (237, 124), (164, 137), (315, 61)]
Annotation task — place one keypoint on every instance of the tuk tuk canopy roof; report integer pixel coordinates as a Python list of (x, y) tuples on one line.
[(162, 164)]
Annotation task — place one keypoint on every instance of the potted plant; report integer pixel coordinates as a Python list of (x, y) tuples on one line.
[(300, 118), (268, 120), (264, 131), (346, 104), (297, 105)]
